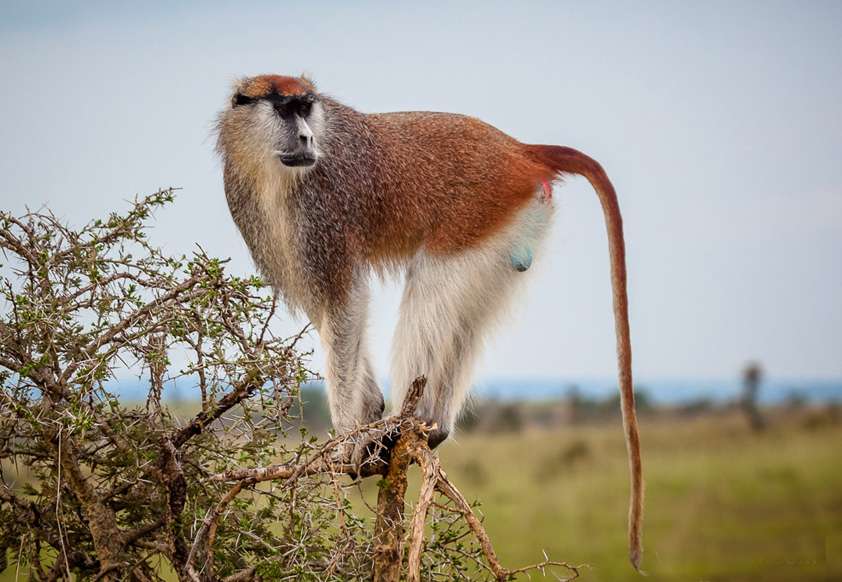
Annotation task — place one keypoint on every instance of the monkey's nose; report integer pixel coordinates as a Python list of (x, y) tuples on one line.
[(306, 140)]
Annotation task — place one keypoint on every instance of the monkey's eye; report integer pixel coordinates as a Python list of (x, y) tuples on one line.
[(240, 99), (283, 109), (304, 108)]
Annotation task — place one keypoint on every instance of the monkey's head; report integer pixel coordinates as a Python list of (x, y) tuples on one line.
[(272, 119)]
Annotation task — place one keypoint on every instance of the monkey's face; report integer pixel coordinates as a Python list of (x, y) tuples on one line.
[(275, 117)]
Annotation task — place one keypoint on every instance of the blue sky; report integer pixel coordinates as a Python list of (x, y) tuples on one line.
[(719, 123)]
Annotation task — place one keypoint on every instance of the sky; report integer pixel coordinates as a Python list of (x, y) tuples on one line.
[(720, 124)]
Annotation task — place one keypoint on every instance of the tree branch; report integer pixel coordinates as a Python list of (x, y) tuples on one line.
[(242, 390), (430, 468)]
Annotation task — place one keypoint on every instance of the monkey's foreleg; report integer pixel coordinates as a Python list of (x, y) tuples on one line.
[(353, 395)]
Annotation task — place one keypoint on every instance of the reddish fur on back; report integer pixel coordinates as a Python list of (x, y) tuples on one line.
[(462, 180)]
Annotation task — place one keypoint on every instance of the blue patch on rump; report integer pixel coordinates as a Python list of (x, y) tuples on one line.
[(521, 258)]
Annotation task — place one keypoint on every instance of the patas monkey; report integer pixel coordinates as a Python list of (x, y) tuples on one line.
[(325, 196)]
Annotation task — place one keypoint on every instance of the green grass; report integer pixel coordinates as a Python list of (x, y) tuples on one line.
[(722, 503)]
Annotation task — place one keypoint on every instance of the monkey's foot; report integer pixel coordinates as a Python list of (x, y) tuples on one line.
[(437, 437)]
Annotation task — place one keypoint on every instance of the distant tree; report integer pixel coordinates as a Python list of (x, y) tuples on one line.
[(576, 403), (610, 405), (697, 406), (643, 399), (93, 488), (795, 399), (752, 377)]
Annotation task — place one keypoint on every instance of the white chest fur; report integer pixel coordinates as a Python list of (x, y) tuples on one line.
[(280, 234)]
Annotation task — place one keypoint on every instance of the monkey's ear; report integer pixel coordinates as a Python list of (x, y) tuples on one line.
[(309, 80), (237, 91), (240, 84)]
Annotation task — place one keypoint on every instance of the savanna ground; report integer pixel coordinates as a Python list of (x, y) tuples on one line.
[(723, 503)]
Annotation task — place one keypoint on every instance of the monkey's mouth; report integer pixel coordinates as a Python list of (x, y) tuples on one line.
[(298, 160)]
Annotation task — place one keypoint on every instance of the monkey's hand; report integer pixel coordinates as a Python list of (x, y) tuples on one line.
[(372, 455), (370, 450)]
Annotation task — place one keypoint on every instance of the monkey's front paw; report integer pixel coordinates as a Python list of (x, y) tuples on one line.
[(371, 455), (372, 410)]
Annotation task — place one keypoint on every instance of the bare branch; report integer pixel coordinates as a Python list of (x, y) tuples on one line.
[(430, 469)]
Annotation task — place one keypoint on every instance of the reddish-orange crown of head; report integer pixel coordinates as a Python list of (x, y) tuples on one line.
[(265, 85)]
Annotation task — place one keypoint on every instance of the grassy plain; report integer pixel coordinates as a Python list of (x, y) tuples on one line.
[(723, 503)]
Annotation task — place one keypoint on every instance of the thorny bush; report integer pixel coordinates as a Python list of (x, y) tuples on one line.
[(96, 487)]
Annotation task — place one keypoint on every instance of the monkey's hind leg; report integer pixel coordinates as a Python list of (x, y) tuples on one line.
[(449, 304)]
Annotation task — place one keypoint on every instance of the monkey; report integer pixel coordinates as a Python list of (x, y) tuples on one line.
[(326, 196)]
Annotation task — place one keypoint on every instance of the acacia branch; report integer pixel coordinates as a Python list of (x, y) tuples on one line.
[(113, 331), (203, 542), (429, 464), (107, 538), (388, 527), (242, 390)]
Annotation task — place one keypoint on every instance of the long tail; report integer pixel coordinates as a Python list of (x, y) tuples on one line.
[(564, 160)]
